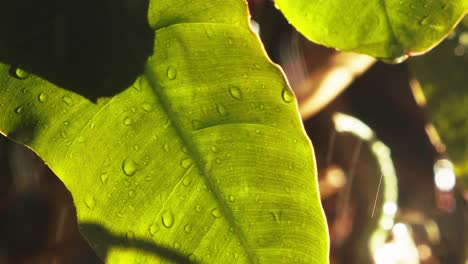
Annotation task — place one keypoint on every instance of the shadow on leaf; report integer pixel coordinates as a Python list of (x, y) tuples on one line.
[(105, 240), (92, 47)]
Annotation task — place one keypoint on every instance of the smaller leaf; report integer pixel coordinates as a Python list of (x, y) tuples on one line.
[(390, 30)]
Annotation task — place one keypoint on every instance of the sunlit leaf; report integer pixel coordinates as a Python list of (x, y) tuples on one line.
[(386, 29), (202, 158)]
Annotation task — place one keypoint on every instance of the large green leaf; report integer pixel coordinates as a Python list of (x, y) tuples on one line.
[(386, 29), (202, 158), (443, 75)]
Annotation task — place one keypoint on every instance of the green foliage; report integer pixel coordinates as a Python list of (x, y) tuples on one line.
[(202, 158), (443, 77), (386, 29)]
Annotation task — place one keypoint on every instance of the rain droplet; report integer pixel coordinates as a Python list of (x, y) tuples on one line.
[(66, 123), (128, 121), (221, 109), (187, 181), (214, 149), (64, 134), (147, 107), (186, 163), (19, 109), (167, 219), (18, 73), (171, 73), (218, 160), (287, 95), (137, 87), (104, 177), (188, 228), (92, 125), (184, 149), (216, 213), (131, 194), (67, 100), (276, 216), (129, 167), (235, 92), (42, 97), (153, 229), (232, 198), (166, 147), (176, 245), (198, 208), (423, 21), (167, 124), (90, 202)]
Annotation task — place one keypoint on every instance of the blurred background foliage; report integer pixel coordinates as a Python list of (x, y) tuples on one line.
[(389, 141)]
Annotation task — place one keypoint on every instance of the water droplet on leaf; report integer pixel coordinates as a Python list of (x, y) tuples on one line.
[(147, 107), (186, 163), (287, 95), (187, 181), (214, 149), (42, 97), (128, 121), (221, 109), (216, 213), (19, 109), (188, 228), (153, 229), (235, 92), (104, 177), (90, 202), (167, 219), (129, 167), (166, 147), (171, 73), (18, 73), (167, 124)]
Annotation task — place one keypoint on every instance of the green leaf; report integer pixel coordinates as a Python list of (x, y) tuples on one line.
[(202, 158), (442, 74), (387, 29)]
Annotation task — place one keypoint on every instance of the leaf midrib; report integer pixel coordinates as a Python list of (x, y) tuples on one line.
[(390, 25), (194, 154)]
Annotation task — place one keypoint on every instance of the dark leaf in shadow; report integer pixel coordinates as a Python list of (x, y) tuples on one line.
[(93, 47)]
